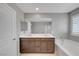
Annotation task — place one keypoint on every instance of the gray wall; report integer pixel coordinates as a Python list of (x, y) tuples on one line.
[(59, 22), (72, 37)]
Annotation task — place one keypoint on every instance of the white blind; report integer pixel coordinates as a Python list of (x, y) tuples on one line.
[(75, 24)]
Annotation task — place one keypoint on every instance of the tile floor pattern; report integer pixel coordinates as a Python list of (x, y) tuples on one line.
[(37, 54)]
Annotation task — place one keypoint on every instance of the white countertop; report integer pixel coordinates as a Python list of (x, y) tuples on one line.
[(37, 36)]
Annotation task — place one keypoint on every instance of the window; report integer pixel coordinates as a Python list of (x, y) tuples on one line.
[(75, 24)]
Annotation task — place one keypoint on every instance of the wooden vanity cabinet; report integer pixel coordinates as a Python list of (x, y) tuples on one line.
[(37, 45)]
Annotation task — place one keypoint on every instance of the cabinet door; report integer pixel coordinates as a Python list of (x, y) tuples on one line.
[(24, 45), (50, 45), (32, 45), (37, 45), (43, 46)]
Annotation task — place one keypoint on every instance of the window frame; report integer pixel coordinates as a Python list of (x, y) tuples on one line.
[(71, 17)]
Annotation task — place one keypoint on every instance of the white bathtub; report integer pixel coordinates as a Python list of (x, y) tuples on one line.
[(69, 47)]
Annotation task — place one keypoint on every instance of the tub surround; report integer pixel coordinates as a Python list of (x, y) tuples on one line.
[(61, 50), (67, 47)]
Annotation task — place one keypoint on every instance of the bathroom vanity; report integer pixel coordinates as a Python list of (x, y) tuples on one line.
[(37, 44), (36, 36)]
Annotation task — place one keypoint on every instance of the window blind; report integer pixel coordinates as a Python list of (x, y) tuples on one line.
[(75, 24)]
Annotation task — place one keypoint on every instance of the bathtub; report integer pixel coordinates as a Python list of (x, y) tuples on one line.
[(67, 47)]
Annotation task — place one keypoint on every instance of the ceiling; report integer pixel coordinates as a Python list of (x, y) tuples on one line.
[(47, 7)]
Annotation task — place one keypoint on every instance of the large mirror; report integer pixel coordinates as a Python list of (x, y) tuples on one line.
[(24, 26), (41, 27)]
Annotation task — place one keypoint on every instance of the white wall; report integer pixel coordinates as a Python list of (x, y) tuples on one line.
[(59, 22), (19, 16)]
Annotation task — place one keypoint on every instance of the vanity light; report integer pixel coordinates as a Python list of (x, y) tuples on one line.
[(37, 9)]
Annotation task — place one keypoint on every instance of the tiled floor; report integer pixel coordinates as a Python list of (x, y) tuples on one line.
[(37, 54)]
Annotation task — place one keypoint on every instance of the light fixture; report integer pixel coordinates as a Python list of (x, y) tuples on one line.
[(37, 9)]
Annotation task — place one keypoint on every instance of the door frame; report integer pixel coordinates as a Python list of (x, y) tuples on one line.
[(14, 36)]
